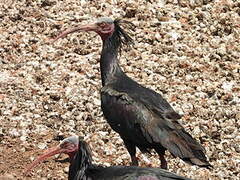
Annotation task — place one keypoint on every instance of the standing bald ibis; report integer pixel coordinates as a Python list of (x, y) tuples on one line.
[(142, 117), (81, 167)]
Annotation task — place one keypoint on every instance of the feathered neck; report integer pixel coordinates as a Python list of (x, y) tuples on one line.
[(112, 46), (81, 162)]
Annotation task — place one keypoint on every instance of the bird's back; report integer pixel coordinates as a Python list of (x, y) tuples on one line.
[(131, 173)]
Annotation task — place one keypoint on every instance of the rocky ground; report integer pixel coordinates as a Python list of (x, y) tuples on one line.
[(189, 51)]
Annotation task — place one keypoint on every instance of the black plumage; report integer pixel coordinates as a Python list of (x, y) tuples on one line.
[(142, 117)]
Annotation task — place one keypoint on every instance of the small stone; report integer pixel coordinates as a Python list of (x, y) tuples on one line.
[(237, 116), (66, 169), (42, 145)]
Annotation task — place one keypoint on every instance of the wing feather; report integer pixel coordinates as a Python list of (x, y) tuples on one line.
[(139, 123)]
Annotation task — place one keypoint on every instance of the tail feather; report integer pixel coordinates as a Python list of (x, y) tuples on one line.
[(192, 147), (180, 144), (198, 162)]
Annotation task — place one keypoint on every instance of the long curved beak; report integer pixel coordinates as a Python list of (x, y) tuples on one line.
[(87, 27), (50, 152)]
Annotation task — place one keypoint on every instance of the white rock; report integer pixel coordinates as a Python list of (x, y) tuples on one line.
[(227, 86), (14, 132)]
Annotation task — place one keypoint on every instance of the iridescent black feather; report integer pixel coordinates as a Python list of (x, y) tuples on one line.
[(81, 162), (120, 37)]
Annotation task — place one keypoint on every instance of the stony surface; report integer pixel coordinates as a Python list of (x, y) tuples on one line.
[(189, 51)]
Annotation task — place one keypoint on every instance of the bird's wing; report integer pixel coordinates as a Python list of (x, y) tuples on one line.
[(147, 97), (124, 114), (135, 121), (156, 103)]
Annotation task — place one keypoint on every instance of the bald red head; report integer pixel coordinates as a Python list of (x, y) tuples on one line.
[(68, 146), (103, 26)]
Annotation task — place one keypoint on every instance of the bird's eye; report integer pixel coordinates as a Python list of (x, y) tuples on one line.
[(63, 145)]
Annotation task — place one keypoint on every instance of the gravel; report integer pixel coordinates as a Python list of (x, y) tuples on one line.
[(189, 51)]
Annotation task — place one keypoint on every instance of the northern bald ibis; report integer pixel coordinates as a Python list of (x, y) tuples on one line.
[(81, 167), (141, 116)]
